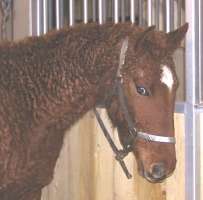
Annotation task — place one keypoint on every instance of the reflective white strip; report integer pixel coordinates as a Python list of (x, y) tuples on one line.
[(155, 138)]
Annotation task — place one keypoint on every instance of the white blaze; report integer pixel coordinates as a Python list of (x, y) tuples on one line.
[(167, 77)]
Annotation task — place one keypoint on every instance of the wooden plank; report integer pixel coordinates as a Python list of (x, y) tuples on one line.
[(74, 166), (20, 19), (103, 163), (175, 185)]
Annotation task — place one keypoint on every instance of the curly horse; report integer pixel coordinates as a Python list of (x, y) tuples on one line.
[(49, 82)]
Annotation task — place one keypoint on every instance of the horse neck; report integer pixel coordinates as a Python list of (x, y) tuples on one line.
[(81, 75)]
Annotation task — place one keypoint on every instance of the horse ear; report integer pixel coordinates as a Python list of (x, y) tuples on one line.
[(143, 37), (175, 37)]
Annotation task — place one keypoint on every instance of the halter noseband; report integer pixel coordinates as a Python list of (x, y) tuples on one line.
[(133, 132)]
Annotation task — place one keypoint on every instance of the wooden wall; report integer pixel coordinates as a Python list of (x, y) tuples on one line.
[(21, 19), (86, 169)]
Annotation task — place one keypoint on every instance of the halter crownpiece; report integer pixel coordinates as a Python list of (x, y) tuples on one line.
[(133, 132), (124, 49)]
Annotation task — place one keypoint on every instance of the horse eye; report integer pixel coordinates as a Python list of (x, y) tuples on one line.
[(142, 91)]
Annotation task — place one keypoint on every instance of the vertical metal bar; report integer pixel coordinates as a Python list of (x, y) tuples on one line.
[(140, 12), (192, 135), (157, 13), (85, 11), (123, 10), (94, 10), (149, 12), (100, 8), (104, 10), (116, 12), (132, 11), (59, 14), (45, 16), (179, 12), (163, 16), (169, 15), (71, 12), (172, 14), (200, 95), (50, 14), (136, 11), (39, 17), (31, 21)]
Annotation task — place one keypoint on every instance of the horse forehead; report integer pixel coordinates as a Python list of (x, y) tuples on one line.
[(167, 76)]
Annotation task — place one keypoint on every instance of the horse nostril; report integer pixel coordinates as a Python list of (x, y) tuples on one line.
[(158, 171)]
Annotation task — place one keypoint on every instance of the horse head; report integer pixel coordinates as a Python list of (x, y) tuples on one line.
[(148, 81)]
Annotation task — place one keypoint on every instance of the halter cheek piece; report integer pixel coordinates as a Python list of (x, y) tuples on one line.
[(134, 134)]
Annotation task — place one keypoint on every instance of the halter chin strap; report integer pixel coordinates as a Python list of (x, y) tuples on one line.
[(133, 132)]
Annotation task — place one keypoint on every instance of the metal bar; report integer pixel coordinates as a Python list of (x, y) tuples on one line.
[(116, 12), (180, 107), (100, 9), (157, 13), (169, 15), (85, 11), (149, 12), (179, 12), (45, 16), (163, 16), (199, 109), (59, 14), (200, 92), (104, 10), (123, 10), (140, 12), (71, 12), (50, 14), (39, 17), (172, 14), (192, 135), (132, 11), (192, 152), (94, 6), (31, 21)]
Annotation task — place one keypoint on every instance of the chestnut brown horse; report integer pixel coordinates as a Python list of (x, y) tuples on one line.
[(48, 83)]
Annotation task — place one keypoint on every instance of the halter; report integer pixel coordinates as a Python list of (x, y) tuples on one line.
[(133, 132)]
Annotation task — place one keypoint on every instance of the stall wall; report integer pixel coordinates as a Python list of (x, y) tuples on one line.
[(21, 19), (87, 170)]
